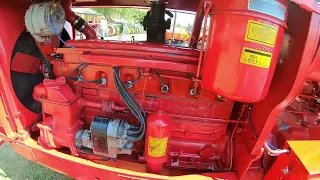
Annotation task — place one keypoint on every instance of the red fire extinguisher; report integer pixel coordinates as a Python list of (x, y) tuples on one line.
[(157, 137)]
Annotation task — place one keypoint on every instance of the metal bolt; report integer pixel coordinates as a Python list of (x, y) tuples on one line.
[(103, 81), (285, 170), (129, 84), (10, 136), (80, 78), (191, 92), (318, 100), (219, 97), (212, 167), (299, 121), (164, 88), (22, 132), (17, 115), (207, 5)]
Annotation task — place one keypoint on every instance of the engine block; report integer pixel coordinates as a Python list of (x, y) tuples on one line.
[(199, 126)]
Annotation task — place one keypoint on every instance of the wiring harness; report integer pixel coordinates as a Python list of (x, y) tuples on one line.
[(272, 150), (54, 27), (134, 133)]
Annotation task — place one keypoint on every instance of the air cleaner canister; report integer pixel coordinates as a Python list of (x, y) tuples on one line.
[(244, 42)]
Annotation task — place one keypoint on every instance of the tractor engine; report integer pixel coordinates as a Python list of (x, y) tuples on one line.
[(100, 98), (151, 103)]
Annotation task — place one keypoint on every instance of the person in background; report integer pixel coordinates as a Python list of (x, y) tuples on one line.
[(103, 28)]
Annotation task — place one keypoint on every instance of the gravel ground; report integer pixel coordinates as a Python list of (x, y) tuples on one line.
[(13, 166)]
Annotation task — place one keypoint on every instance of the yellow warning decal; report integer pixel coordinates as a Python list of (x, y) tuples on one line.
[(261, 33), (256, 58), (157, 146)]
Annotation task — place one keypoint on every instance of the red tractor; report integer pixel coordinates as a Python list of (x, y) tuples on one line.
[(245, 105)]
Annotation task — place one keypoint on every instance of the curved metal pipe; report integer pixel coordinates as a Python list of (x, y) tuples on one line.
[(197, 25), (74, 19)]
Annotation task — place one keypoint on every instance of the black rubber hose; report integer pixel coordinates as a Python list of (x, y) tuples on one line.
[(80, 24)]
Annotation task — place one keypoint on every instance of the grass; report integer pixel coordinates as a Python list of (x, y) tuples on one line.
[(15, 167)]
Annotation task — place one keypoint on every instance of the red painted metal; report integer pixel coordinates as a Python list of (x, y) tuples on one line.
[(58, 102), (18, 115), (159, 127), (18, 65), (297, 165), (207, 8), (90, 170), (221, 66), (195, 119), (184, 129), (141, 55), (61, 109), (289, 77), (166, 50), (309, 5), (300, 60), (197, 24), (202, 125)]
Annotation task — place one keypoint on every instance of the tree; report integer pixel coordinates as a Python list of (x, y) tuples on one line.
[(189, 28), (130, 14)]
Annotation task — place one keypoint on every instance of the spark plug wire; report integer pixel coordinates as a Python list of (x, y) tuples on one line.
[(129, 84), (79, 77), (134, 133), (164, 87)]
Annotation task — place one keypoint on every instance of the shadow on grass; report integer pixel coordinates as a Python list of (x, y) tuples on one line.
[(15, 167)]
